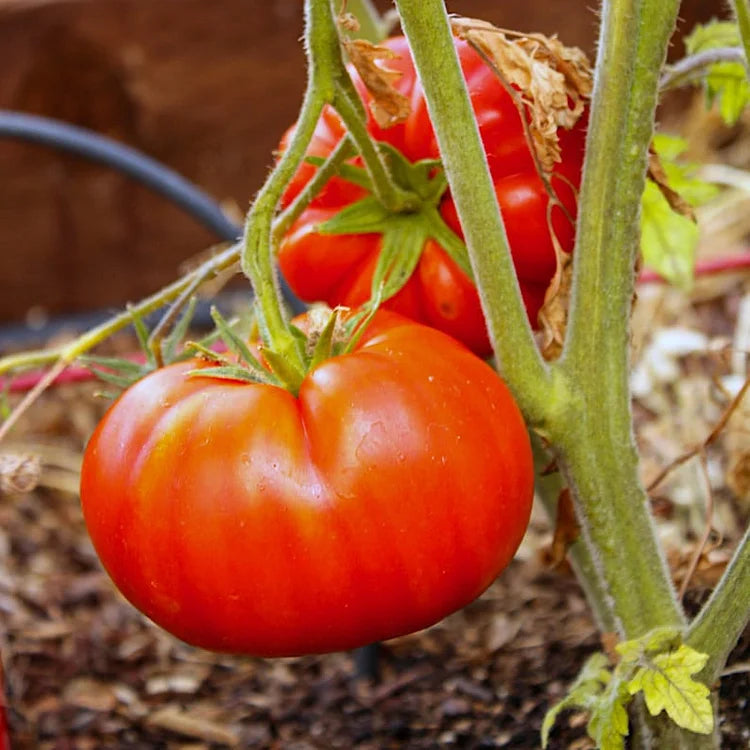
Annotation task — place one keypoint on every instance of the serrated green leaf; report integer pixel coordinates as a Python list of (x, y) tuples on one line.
[(667, 685), (668, 240), (608, 725), (725, 82), (656, 640), (583, 693)]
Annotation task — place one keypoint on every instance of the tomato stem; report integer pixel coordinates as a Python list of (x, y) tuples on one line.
[(344, 149), (349, 106), (426, 26)]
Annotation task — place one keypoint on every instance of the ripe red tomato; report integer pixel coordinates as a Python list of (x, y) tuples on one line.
[(338, 269), (390, 492)]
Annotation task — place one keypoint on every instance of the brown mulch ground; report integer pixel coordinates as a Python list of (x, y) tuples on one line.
[(85, 670)]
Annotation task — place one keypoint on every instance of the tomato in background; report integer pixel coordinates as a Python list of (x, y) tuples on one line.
[(338, 269), (390, 492)]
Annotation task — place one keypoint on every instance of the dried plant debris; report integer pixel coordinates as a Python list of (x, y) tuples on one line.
[(553, 81), (389, 106)]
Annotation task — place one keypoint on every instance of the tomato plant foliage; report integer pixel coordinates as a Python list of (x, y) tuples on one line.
[(338, 268), (389, 492)]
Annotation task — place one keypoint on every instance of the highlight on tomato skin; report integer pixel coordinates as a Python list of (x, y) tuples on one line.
[(389, 493), (521, 194)]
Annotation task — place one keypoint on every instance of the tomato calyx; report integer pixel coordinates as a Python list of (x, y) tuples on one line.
[(404, 233), (323, 333)]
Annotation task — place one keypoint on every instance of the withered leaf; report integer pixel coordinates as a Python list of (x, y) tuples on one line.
[(551, 81), (388, 106), (567, 529), (553, 316), (658, 176)]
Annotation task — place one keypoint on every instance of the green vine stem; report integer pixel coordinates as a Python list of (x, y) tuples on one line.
[(547, 489), (691, 68), (426, 25), (726, 614), (322, 47), (291, 213), (742, 14), (67, 353), (598, 453)]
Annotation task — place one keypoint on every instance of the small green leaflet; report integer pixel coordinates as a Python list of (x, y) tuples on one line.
[(584, 693), (667, 685), (608, 725), (669, 239), (659, 666), (725, 82)]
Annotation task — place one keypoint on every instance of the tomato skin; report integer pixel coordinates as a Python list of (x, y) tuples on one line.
[(390, 492), (312, 261)]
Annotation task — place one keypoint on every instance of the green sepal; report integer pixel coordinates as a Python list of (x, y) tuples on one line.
[(349, 172), (233, 372), (235, 344), (178, 332), (324, 345), (404, 238), (284, 370), (142, 333)]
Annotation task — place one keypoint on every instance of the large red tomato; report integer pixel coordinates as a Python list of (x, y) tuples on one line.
[(390, 492), (337, 269)]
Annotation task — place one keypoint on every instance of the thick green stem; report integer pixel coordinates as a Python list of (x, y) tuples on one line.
[(322, 46), (291, 213), (426, 25), (547, 489), (598, 452), (724, 617), (742, 14), (349, 106)]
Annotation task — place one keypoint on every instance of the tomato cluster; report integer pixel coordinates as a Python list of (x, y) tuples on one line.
[(338, 269), (388, 493)]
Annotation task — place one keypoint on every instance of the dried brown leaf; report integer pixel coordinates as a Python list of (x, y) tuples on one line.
[(19, 472), (388, 106), (553, 316), (176, 720), (658, 176), (553, 81), (567, 529)]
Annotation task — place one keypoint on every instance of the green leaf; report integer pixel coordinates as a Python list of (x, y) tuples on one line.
[(680, 174), (725, 82), (584, 692), (668, 239), (656, 640), (608, 725), (667, 685), (141, 331)]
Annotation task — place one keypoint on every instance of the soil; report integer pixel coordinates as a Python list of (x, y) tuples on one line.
[(84, 670)]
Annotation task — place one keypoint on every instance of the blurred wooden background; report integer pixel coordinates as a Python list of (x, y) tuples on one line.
[(207, 86)]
